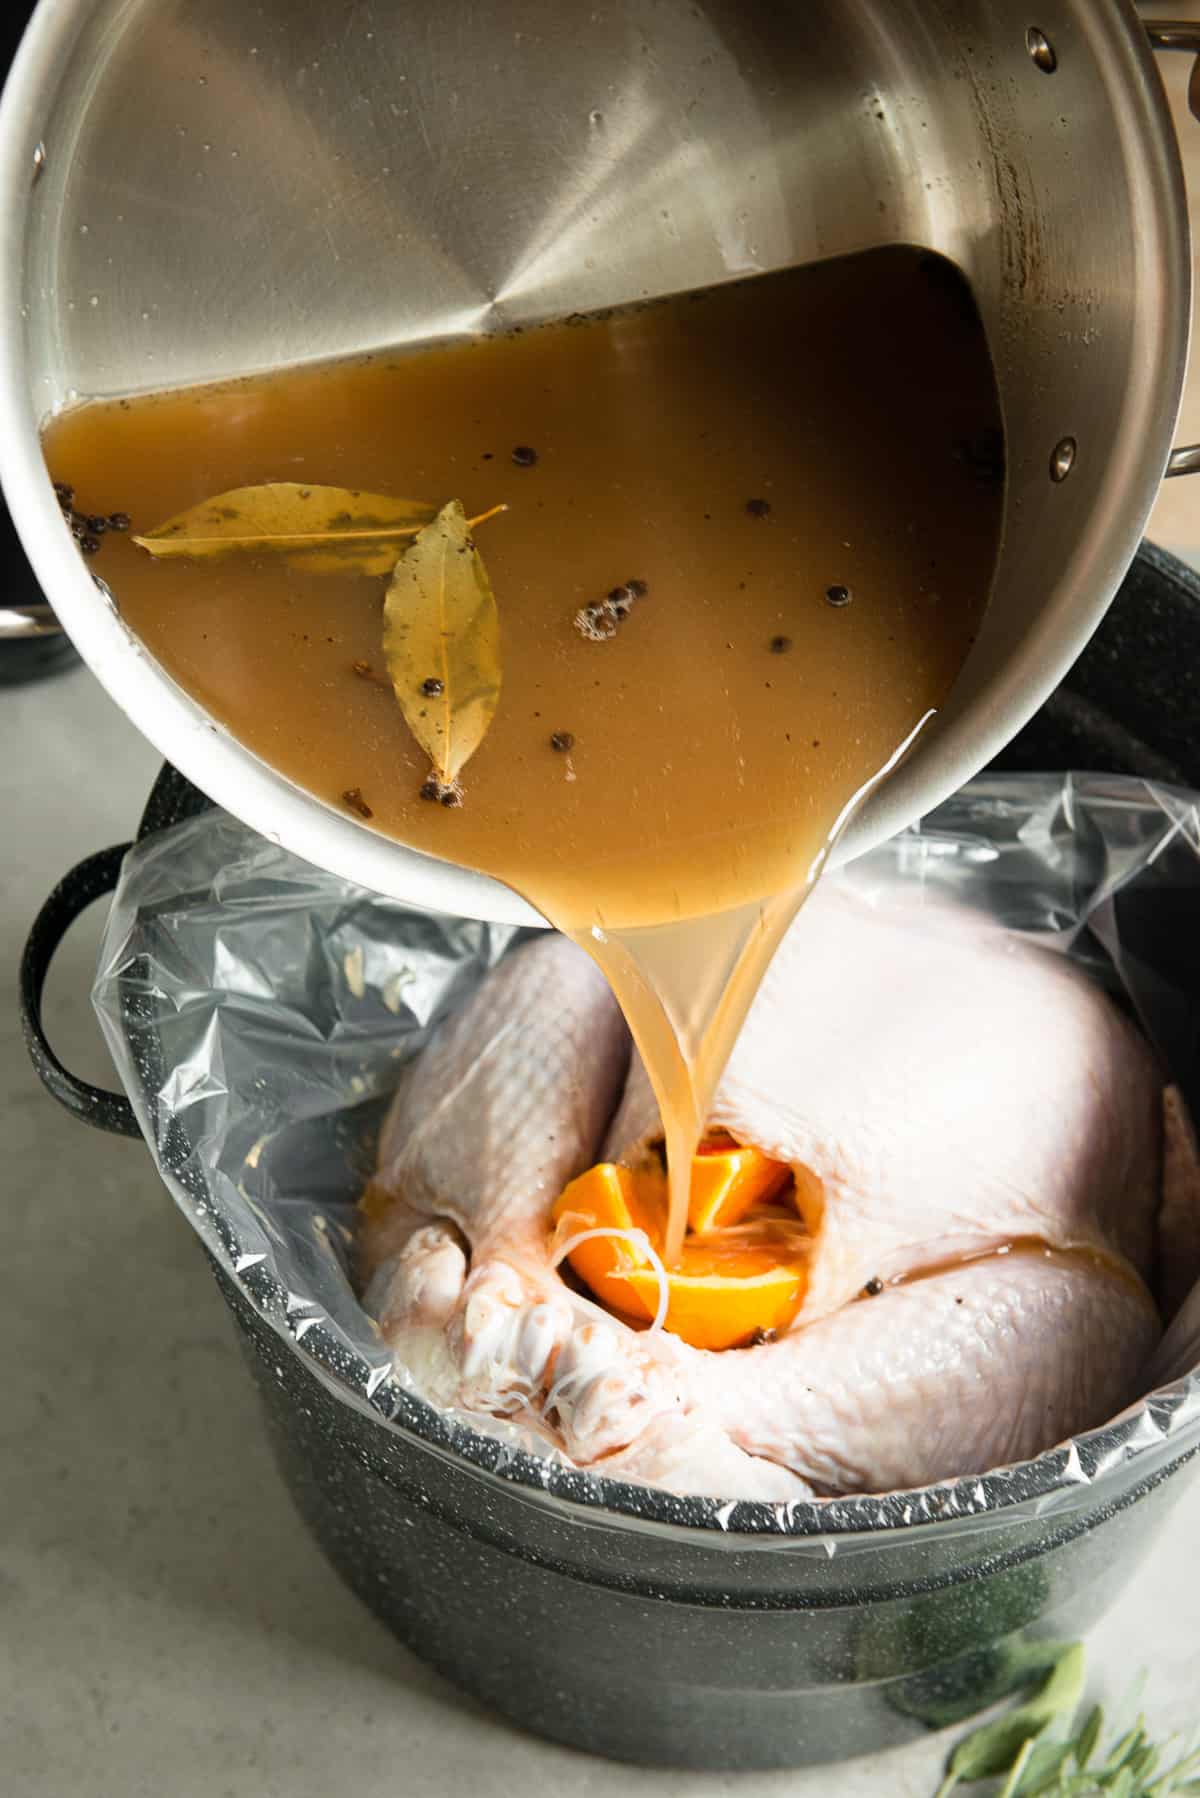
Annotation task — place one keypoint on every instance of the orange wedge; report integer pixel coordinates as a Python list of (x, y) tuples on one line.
[(730, 1284), (613, 1198), (728, 1181), (724, 1294)]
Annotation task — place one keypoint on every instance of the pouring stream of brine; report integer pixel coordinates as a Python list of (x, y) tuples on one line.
[(792, 486)]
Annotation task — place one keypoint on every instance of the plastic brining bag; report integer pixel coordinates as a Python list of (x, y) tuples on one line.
[(258, 1010)]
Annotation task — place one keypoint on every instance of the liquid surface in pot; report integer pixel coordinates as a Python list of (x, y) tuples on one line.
[(803, 470)]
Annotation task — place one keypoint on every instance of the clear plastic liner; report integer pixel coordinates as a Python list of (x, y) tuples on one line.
[(258, 1009)]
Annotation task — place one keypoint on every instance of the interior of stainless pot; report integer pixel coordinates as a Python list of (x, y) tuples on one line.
[(219, 188)]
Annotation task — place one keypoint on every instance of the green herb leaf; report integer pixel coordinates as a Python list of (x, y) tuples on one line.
[(1089, 1735), (441, 642), (1043, 1768), (978, 1682), (322, 530), (991, 1750), (1144, 1762), (1125, 1748), (1012, 1783), (1172, 1780)]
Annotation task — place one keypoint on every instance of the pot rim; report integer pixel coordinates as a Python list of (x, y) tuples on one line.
[(208, 753)]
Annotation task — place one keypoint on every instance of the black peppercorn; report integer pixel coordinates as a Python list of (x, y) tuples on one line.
[(873, 1287), (97, 524), (562, 740), (523, 456), (354, 799), (639, 589), (89, 545), (118, 521), (837, 596), (758, 508), (780, 645), (430, 789), (432, 686)]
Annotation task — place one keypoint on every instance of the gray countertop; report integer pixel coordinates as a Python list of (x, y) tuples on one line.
[(166, 1626)]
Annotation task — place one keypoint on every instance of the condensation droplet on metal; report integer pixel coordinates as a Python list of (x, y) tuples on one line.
[(1041, 50), (1062, 459)]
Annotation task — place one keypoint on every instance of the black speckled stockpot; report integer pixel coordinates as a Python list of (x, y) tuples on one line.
[(680, 1632)]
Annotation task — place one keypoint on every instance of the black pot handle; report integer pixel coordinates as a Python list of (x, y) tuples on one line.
[(73, 894)]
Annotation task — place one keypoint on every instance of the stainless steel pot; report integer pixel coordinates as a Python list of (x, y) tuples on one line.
[(191, 190)]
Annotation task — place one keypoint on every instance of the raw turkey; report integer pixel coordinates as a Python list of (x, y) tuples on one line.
[(977, 1137)]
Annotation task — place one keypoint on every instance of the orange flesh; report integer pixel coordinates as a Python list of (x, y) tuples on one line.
[(732, 1282), (727, 1182)]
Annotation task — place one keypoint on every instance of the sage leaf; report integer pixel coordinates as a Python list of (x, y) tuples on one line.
[(1145, 1761), (991, 1750), (1043, 1768), (1179, 1777), (1124, 1749), (321, 530), (1089, 1735), (441, 642), (1012, 1783)]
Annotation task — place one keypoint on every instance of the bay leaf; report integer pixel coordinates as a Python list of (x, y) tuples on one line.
[(441, 642), (321, 530)]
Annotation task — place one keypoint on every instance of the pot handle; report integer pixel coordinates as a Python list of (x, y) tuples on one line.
[(73, 894), (1180, 34)]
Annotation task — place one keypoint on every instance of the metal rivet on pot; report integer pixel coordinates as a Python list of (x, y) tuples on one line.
[(1062, 459), (39, 159), (1041, 50)]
